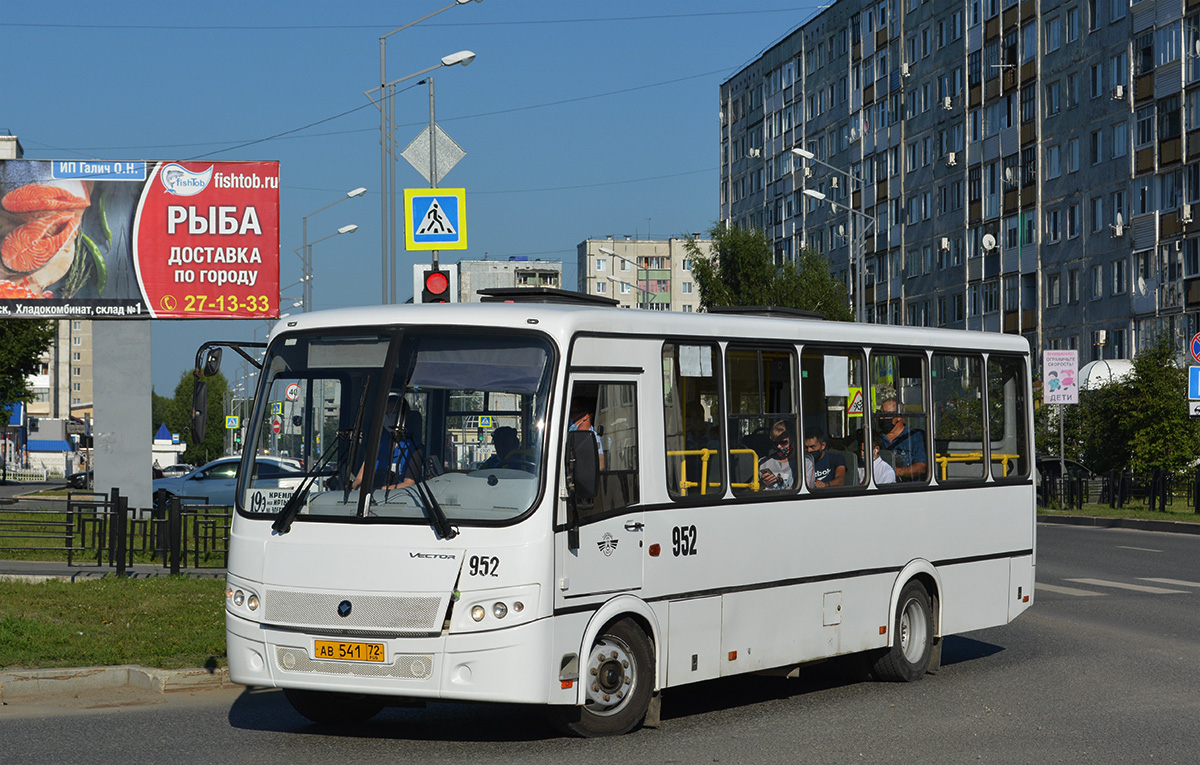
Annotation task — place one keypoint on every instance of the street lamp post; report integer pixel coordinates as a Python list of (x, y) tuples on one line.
[(642, 292), (306, 255), (860, 250)]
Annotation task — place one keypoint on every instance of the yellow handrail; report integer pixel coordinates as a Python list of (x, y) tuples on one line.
[(704, 454), (943, 460)]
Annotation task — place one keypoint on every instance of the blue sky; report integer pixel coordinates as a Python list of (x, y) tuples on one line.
[(579, 119)]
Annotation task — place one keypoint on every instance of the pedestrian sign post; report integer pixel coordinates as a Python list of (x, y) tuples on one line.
[(231, 422), (1194, 383), (436, 219), (1195, 348)]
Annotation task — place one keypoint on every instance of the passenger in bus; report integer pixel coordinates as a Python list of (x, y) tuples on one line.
[(777, 470), (829, 468), (906, 444), (581, 419), (507, 444), (883, 471)]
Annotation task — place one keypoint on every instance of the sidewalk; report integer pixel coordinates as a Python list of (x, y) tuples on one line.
[(38, 571)]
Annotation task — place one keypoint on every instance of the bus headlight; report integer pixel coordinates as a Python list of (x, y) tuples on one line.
[(492, 609), (252, 602), (239, 598)]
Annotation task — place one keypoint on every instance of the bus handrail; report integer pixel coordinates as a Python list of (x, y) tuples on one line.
[(944, 460), (704, 454)]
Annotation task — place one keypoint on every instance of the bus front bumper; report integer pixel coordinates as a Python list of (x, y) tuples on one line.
[(511, 665)]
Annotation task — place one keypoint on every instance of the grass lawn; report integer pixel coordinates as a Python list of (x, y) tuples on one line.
[(1176, 511), (163, 622)]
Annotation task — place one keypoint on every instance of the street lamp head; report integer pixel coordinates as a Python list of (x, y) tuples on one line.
[(803, 153), (463, 57), (606, 251), (814, 194), (356, 192), (348, 229)]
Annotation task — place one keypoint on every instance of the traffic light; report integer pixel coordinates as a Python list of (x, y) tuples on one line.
[(437, 287)]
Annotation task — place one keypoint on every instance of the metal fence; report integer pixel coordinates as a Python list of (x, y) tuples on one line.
[(1158, 490), (100, 530)]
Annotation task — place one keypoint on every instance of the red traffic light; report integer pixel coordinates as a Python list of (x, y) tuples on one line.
[(437, 288)]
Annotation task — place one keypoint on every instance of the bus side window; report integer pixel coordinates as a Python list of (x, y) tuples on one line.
[(610, 411), (764, 451), (957, 388), (898, 395), (1008, 413), (831, 387), (692, 420)]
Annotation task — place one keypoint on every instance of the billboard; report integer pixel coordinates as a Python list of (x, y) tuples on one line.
[(103, 239)]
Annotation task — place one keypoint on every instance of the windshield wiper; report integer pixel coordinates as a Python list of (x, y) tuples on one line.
[(291, 508)]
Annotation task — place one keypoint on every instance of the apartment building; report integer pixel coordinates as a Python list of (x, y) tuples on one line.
[(474, 275), (1023, 167), (62, 388), (654, 274)]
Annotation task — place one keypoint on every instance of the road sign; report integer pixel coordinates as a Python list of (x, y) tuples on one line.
[(1194, 408), (1060, 370), (231, 422), (276, 407), (1196, 347), (436, 219), (485, 421), (448, 153), (1193, 382), (276, 425), (293, 392)]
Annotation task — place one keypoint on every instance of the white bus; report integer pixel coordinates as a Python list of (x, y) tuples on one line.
[(725, 514)]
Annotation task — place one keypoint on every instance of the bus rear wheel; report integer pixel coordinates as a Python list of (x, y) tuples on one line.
[(912, 639), (619, 681), (328, 708)]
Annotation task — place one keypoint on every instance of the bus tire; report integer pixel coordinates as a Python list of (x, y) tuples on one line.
[(619, 682), (329, 708), (912, 640)]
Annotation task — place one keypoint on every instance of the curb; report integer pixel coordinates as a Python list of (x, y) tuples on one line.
[(1172, 527), (26, 683)]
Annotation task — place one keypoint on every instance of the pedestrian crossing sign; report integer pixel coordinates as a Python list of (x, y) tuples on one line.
[(436, 219)]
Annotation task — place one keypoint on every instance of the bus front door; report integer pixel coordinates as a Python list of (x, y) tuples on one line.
[(609, 555)]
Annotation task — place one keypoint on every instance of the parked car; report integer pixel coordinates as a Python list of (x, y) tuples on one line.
[(174, 471), (1049, 466), (81, 480), (216, 482)]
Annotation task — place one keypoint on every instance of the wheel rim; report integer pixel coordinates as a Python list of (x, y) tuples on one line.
[(914, 631), (611, 676)]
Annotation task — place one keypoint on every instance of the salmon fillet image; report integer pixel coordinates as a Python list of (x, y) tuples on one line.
[(38, 197), (31, 245)]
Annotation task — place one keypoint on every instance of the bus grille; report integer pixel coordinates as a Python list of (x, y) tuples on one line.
[(396, 613), (408, 666)]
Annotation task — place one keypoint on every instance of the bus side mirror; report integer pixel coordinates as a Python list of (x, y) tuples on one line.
[(212, 362), (583, 464), (199, 409)]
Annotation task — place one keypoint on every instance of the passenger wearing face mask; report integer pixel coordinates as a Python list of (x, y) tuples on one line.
[(777, 470), (829, 468), (907, 445)]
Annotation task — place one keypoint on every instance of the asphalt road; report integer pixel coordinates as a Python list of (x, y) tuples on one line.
[(1104, 668)]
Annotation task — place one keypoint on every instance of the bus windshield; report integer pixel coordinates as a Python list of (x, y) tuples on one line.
[(403, 426)]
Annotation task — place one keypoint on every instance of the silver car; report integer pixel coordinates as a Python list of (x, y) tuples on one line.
[(216, 482)]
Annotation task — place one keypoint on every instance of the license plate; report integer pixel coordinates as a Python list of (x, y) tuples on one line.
[(335, 649)]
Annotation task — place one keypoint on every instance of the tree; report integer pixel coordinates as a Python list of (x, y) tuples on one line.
[(178, 417), (1163, 434), (22, 344), (741, 271)]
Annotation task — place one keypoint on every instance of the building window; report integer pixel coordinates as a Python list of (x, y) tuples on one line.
[(1053, 226), (76, 387), (1073, 286), (77, 340), (601, 288), (1072, 155), (1097, 210), (601, 264), (1073, 221), (1120, 274), (685, 288), (1097, 282), (1120, 139), (1053, 161), (1097, 147), (1053, 290)]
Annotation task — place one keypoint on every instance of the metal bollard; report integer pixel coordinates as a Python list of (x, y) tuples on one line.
[(121, 529), (174, 527)]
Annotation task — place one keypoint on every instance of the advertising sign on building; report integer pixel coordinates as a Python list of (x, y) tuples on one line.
[(104, 239), (1060, 377)]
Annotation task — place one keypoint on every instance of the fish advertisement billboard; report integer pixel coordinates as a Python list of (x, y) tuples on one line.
[(100, 239)]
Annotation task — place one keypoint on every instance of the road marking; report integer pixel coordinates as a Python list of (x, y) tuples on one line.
[(1127, 586), (1039, 587), (1139, 549), (1176, 582)]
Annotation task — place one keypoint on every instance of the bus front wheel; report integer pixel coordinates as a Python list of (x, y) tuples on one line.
[(619, 681), (912, 639), (328, 708)]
